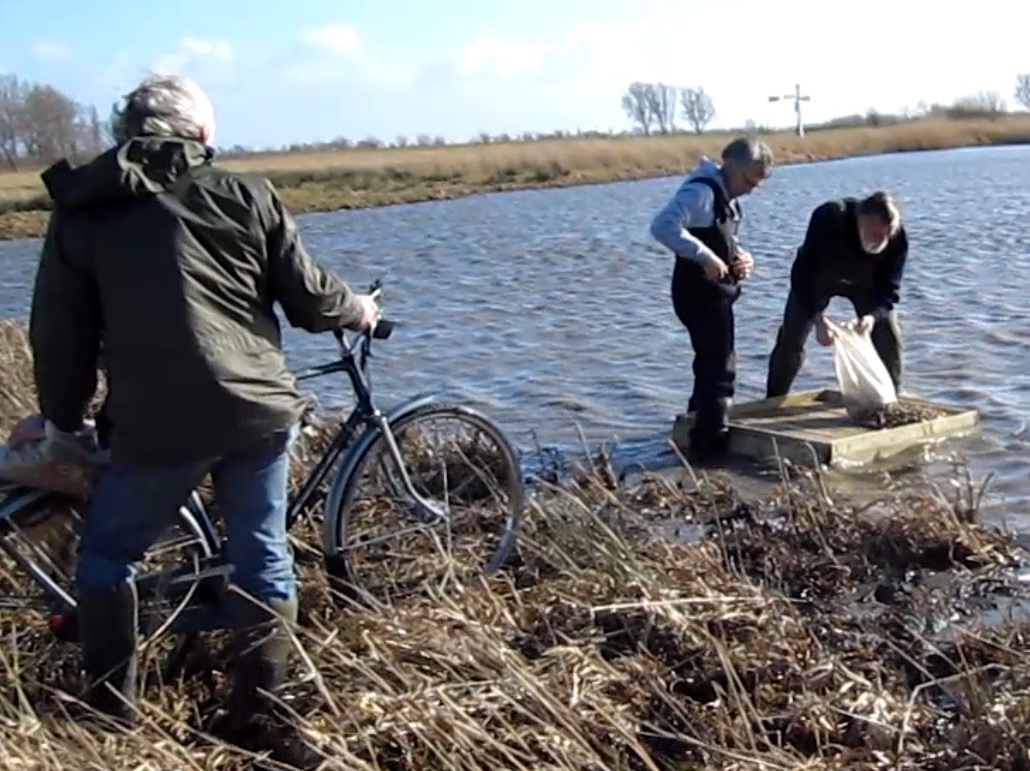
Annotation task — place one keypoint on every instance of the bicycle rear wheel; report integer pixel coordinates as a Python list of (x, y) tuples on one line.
[(39, 537), (387, 546)]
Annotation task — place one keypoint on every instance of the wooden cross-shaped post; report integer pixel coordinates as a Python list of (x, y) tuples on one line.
[(798, 99)]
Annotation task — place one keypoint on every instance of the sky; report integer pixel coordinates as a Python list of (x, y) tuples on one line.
[(309, 70)]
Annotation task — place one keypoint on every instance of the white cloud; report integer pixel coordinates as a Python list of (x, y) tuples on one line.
[(337, 38), (486, 55), (323, 55), (216, 49), (50, 51), (192, 53), (335, 53)]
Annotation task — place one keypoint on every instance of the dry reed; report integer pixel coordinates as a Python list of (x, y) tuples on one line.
[(794, 634), (337, 179)]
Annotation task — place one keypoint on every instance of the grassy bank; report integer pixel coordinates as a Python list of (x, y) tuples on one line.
[(795, 633), (328, 180)]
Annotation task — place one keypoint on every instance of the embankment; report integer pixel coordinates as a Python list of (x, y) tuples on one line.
[(342, 179)]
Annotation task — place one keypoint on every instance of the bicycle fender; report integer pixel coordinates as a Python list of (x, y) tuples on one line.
[(341, 480)]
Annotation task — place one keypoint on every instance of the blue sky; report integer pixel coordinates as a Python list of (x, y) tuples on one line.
[(312, 69)]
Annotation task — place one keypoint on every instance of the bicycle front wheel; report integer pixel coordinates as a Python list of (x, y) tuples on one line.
[(449, 511)]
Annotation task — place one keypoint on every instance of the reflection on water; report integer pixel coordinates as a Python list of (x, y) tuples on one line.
[(550, 308)]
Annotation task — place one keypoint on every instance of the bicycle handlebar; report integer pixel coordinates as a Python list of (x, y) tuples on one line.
[(381, 330)]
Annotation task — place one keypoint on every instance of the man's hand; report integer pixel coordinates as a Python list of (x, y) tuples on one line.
[(370, 312), (743, 264), (865, 324), (823, 334), (714, 268)]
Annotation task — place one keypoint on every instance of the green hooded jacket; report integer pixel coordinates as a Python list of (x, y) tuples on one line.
[(172, 266)]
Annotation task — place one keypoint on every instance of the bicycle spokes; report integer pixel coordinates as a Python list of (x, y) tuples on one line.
[(433, 499)]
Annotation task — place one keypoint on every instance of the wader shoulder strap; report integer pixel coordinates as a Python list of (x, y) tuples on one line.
[(724, 208)]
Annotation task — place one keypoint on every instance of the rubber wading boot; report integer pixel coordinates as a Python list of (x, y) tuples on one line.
[(107, 634), (261, 647), (710, 436)]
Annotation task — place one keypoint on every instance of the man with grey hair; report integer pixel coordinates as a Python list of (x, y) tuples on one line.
[(173, 266), (854, 248), (699, 225)]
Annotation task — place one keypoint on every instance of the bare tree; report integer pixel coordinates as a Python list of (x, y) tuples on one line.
[(1022, 94), (52, 127), (11, 118), (636, 103), (698, 109), (661, 102), (40, 124), (980, 103)]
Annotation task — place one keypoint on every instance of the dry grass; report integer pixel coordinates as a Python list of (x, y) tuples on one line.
[(794, 634), (327, 180)]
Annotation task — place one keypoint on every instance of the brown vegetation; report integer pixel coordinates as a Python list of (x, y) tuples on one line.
[(782, 634), (323, 180)]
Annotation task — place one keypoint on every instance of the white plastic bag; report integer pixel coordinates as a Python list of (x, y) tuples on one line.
[(862, 376)]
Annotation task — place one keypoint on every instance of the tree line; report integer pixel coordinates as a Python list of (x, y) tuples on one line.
[(654, 108), (40, 124)]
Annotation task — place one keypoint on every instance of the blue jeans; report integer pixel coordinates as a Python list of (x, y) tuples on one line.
[(132, 506)]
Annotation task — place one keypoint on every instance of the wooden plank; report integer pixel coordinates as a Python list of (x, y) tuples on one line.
[(813, 425), (799, 400), (816, 422), (761, 444)]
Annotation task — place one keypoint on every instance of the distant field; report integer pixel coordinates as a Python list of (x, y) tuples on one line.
[(334, 179)]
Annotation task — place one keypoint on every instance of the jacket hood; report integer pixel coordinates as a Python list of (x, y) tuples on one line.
[(141, 167), (706, 167)]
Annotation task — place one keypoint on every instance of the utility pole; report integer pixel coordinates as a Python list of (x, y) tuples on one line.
[(798, 99)]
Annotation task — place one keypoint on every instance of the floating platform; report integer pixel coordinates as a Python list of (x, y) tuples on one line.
[(813, 426)]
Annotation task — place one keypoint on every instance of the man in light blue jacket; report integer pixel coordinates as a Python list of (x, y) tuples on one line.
[(699, 225)]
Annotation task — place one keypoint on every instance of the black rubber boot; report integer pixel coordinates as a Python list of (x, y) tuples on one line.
[(107, 633), (261, 647), (710, 435)]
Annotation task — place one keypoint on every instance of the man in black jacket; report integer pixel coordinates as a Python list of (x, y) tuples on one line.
[(855, 249), (172, 266)]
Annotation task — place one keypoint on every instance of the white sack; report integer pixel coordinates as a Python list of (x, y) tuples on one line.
[(861, 374)]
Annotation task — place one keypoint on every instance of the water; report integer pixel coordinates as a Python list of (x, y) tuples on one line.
[(550, 308)]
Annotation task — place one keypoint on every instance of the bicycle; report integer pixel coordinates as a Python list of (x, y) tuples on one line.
[(190, 592)]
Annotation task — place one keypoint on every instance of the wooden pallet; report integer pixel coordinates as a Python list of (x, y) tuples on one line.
[(812, 426)]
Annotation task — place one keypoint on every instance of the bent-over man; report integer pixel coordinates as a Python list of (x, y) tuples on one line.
[(854, 249), (173, 266), (699, 225)]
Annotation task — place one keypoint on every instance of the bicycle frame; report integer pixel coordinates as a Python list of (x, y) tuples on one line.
[(364, 415)]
